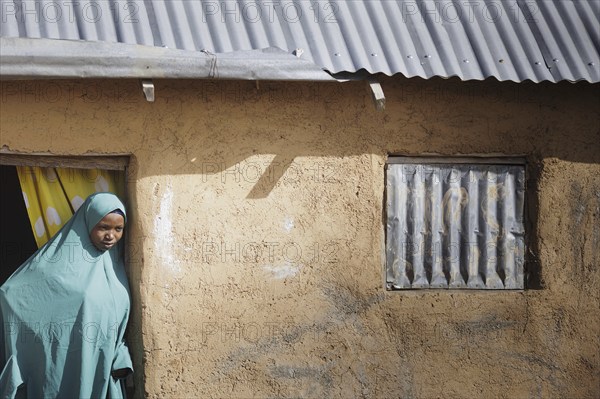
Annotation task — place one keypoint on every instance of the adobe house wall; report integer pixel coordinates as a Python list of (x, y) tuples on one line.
[(257, 235)]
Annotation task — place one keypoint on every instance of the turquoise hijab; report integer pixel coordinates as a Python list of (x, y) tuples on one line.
[(64, 313)]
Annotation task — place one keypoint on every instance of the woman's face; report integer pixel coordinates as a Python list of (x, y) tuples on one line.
[(108, 231)]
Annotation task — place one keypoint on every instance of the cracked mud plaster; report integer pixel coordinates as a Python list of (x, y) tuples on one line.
[(257, 218)]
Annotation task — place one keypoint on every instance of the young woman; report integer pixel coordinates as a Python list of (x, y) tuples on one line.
[(64, 311)]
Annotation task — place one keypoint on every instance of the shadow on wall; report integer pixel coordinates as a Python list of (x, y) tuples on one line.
[(232, 127), (295, 133), (256, 132)]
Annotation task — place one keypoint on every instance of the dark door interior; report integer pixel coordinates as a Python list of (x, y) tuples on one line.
[(17, 243)]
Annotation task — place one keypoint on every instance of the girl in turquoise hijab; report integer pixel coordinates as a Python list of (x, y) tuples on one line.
[(64, 311)]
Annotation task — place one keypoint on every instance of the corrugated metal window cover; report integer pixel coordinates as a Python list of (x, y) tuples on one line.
[(455, 225)]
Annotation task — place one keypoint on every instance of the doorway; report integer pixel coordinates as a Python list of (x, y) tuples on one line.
[(17, 240), (17, 243)]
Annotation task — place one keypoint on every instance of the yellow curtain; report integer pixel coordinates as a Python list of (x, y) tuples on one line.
[(52, 195)]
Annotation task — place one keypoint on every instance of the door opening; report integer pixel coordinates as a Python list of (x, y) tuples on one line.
[(86, 174), (17, 243)]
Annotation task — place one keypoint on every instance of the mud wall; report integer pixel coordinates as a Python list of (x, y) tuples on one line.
[(257, 235)]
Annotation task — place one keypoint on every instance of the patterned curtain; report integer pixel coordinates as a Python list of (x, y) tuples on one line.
[(52, 195)]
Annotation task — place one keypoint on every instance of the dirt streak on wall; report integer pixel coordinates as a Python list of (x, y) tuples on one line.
[(257, 234)]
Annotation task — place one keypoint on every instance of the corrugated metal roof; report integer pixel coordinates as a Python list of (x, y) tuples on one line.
[(507, 39)]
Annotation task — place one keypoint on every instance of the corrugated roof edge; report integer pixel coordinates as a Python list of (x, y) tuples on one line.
[(363, 74), (25, 58)]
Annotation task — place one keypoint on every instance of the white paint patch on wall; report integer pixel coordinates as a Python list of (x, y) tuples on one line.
[(163, 233), (282, 271), (288, 224)]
